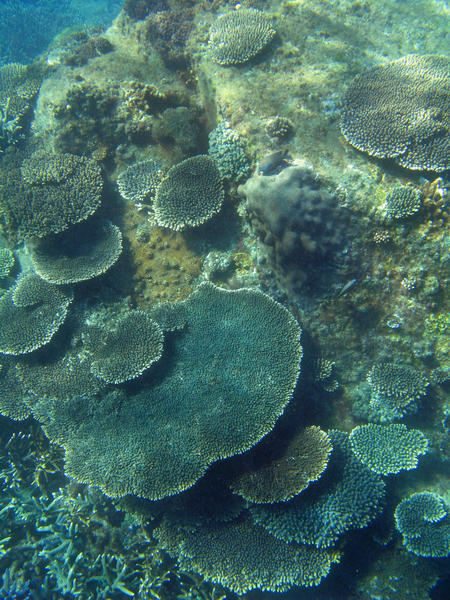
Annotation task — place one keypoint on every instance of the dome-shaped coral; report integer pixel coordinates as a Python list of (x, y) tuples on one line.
[(190, 194), (83, 252), (239, 35)]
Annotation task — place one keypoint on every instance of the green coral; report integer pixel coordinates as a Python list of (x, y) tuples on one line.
[(31, 314), (83, 252), (227, 150), (423, 519), (348, 496), (126, 349), (387, 449), (6, 262), (243, 557), (229, 375)]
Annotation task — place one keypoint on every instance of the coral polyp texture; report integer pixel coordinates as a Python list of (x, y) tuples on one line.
[(139, 181), (239, 35), (395, 388), (423, 519), (401, 110), (6, 262), (300, 223), (229, 374), (127, 349), (227, 150), (243, 557), (12, 394), (31, 314), (348, 496), (83, 252), (303, 460), (49, 194), (190, 194), (388, 449), (403, 201)]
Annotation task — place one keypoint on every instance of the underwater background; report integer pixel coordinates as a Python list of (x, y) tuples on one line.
[(224, 309)]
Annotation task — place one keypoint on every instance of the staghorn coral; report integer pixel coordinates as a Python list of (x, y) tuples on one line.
[(395, 387), (49, 194), (229, 374), (239, 35), (139, 181), (348, 496), (42, 311), (243, 557), (387, 449), (190, 194), (423, 519), (126, 349), (227, 150), (303, 460), (403, 201), (85, 251), (401, 110)]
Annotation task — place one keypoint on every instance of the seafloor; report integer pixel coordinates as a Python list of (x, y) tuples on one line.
[(366, 282)]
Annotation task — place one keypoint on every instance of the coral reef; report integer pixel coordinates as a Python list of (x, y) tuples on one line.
[(190, 194), (304, 459), (255, 338), (139, 181), (48, 194), (239, 35), (242, 557), (12, 393), (300, 223), (6, 262), (126, 349), (403, 201), (227, 150), (83, 252), (423, 519), (395, 388), (387, 449), (40, 312), (348, 496), (400, 110)]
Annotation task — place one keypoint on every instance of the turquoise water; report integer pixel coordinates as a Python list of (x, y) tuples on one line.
[(224, 313)]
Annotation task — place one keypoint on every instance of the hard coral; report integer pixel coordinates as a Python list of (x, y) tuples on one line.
[(401, 110), (239, 35), (190, 194)]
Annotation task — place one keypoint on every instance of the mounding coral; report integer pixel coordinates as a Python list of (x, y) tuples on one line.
[(83, 252), (403, 201), (303, 460), (190, 194), (239, 35), (30, 314), (229, 374), (243, 557), (49, 193), (387, 449), (400, 110), (423, 519), (127, 350), (348, 496), (227, 150)]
